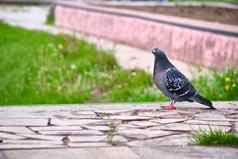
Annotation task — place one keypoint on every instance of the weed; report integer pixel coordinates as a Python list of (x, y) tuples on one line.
[(218, 85), (111, 133), (215, 137)]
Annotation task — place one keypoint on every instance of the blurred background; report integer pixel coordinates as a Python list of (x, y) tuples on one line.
[(77, 51)]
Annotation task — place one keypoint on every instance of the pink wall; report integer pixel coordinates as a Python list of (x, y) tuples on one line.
[(193, 46)]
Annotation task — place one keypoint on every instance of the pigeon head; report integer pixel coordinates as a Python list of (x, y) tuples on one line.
[(159, 53), (161, 60)]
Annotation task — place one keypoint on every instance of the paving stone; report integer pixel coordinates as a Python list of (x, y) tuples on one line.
[(28, 146), (188, 127), (89, 144), (94, 139), (105, 122), (143, 124), (233, 117), (33, 142), (144, 134), (70, 132), (75, 115), (227, 119), (172, 140), (74, 153), (178, 116), (23, 122), (230, 112), (42, 137), (99, 128), (60, 114), (83, 117), (167, 121), (113, 111), (72, 122), (187, 112), (10, 136), (119, 139), (133, 133), (128, 126), (236, 127), (180, 139), (211, 115), (186, 152), (203, 122), (16, 130), (52, 114), (128, 118), (157, 113), (61, 133), (168, 114), (57, 128), (87, 138), (78, 113), (9, 114), (158, 133)]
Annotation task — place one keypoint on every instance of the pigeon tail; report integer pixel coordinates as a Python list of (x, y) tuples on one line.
[(198, 98)]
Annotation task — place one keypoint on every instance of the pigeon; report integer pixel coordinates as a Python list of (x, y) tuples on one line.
[(172, 83)]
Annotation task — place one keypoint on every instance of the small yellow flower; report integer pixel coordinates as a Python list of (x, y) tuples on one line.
[(227, 87), (133, 73), (233, 85), (61, 31), (227, 79), (60, 46), (73, 66)]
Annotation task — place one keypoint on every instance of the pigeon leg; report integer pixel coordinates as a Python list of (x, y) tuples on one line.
[(170, 106)]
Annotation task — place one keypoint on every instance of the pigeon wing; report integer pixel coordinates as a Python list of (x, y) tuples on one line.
[(177, 84)]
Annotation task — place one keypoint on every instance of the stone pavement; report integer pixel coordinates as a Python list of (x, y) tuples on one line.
[(133, 131)]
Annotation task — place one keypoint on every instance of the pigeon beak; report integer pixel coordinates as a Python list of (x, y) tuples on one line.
[(153, 51)]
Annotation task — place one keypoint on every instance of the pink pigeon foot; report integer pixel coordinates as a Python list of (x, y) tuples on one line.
[(169, 107)]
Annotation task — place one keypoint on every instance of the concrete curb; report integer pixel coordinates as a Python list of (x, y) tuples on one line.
[(211, 41), (155, 3)]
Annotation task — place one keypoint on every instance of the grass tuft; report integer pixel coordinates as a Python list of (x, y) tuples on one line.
[(218, 85), (215, 137)]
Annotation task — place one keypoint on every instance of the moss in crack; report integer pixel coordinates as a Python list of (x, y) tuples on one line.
[(111, 134)]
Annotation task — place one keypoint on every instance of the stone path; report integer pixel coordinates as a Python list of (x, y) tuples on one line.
[(129, 130)]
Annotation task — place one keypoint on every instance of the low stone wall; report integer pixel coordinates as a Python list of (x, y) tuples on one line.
[(197, 42), (27, 2)]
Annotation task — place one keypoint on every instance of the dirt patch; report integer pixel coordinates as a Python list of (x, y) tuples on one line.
[(206, 13)]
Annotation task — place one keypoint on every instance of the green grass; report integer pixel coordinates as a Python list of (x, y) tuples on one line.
[(215, 137), (218, 85), (37, 67), (50, 19)]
